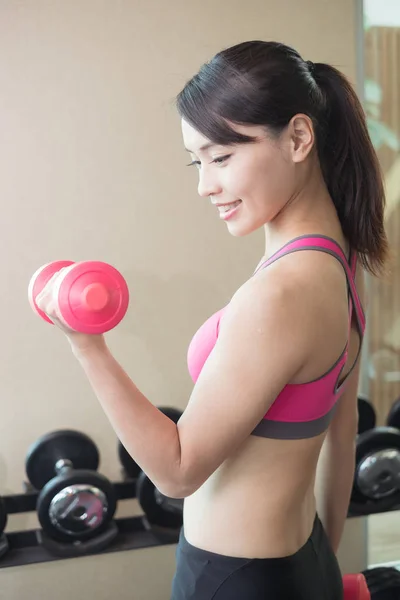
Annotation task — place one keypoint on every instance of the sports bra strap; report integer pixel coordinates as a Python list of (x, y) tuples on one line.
[(325, 244)]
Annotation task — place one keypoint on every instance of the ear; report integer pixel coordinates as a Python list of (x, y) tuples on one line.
[(302, 137)]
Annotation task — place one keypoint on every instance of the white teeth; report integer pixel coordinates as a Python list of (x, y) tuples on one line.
[(227, 207)]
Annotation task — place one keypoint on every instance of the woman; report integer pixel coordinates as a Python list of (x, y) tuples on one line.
[(264, 452)]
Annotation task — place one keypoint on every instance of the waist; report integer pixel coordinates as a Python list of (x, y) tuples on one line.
[(259, 528), (314, 532)]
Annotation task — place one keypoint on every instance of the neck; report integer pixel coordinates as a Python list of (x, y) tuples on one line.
[(309, 211)]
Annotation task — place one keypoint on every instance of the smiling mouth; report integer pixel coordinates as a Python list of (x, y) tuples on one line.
[(226, 207)]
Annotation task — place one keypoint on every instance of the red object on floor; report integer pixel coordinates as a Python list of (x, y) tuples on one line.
[(355, 587)]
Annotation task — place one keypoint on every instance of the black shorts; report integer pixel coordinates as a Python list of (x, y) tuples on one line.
[(312, 573)]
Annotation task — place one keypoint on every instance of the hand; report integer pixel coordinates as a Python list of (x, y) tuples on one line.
[(80, 342)]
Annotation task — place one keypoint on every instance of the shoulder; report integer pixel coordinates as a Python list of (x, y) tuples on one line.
[(289, 287), (287, 299), (272, 314)]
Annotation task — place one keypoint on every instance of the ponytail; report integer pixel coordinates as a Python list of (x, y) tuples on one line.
[(351, 168)]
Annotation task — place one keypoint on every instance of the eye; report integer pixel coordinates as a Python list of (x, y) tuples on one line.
[(220, 159), (194, 163)]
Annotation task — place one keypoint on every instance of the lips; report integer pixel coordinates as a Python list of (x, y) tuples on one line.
[(227, 207), (228, 211)]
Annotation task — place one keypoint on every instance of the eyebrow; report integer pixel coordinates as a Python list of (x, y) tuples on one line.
[(202, 148)]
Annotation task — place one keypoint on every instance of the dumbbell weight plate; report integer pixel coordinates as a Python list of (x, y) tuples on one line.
[(377, 475), (39, 280), (3, 516), (76, 506), (172, 413), (366, 415), (393, 419), (68, 444), (93, 297), (159, 509), (131, 468)]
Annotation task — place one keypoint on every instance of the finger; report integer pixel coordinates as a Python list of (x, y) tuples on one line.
[(50, 310), (47, 292), (46, 304)]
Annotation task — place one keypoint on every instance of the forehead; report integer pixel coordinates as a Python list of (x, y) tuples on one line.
[(196, 142), (193, 140)]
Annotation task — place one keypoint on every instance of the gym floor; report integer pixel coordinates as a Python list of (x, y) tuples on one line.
[(384, 538)]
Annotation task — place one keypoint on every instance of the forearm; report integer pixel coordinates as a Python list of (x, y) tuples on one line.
[(333, 487), (148, 435)]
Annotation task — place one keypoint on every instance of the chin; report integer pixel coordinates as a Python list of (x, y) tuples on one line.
[(241, 229)]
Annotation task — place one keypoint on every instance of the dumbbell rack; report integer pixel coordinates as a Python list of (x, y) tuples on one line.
[(128, 533), (134, 533), (29, 546)]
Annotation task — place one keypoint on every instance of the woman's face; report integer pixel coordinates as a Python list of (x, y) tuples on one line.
[(249, 184)]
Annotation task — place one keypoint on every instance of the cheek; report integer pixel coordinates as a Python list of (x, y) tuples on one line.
[(273, 181), (248, 181)]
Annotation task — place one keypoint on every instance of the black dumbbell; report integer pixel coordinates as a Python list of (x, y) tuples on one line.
[(159, 510), (376, 485), (393, 418), (366, 414), (131, 468), (75, 503), (3, 523)]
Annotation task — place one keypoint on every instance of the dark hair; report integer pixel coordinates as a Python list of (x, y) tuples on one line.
[(267, 83)]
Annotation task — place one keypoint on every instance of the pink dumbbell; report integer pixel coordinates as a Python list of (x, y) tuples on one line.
[(91, 296), (355, 587)]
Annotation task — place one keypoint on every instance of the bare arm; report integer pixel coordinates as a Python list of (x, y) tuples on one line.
[(335, 470), (262, 344)]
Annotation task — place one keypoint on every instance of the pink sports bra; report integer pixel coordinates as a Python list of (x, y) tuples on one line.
[(300, 410)]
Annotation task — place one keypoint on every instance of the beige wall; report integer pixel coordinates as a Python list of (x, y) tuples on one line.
[(92, 167)]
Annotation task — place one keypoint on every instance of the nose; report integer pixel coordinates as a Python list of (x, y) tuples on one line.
[(208, 184)]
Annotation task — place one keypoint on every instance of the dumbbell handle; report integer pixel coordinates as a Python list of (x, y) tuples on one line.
[(63, 465)]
